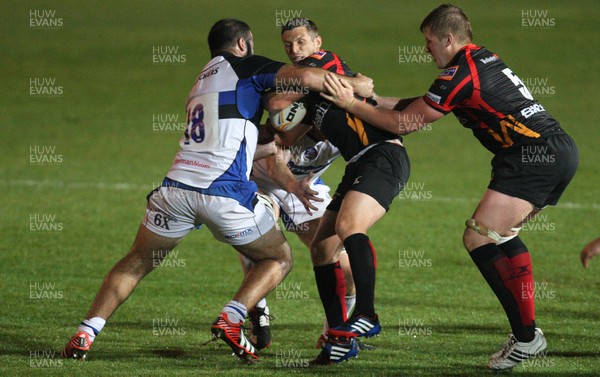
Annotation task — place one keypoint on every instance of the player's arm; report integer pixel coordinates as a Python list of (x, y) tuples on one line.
[(314, 79), (416, 115), (275, 102), (281, 174), (393, 103)]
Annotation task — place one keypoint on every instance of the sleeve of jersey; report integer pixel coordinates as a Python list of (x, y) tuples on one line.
[(451, 87), (256, 76), (264, 73)]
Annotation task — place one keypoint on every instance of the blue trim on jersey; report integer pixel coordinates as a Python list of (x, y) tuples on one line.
[(249, 93), (227, 98), (242, 191), (237, 170), (319, 181)]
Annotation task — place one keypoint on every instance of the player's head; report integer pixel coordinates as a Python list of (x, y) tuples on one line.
[(300, 38), (230, 35), (446, 29)]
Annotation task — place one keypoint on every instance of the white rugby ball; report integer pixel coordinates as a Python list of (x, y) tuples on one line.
[(289, 117)]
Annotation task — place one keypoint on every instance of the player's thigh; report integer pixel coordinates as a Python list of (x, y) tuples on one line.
[(501, 212), (358, 213), (306, 231), (271, 245), (498, 212), (147, 252)]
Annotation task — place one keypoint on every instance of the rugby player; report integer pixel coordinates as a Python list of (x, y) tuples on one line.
[(208, 183), (292, 180), (377, 169), (534, 161)]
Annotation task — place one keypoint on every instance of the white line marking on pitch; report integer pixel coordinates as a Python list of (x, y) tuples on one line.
[(132, 186)]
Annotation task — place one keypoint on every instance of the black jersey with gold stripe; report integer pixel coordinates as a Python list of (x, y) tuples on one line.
[(347, 132), (488, 98)]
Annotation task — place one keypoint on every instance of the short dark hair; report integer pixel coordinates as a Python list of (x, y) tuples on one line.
[(448, 19), (310, 26), (225, 33)]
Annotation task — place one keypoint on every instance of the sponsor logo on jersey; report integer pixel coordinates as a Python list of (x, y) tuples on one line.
[(239, 234), (531, 110), (435, 98), (448, 73), (204, 75), (489, 59)]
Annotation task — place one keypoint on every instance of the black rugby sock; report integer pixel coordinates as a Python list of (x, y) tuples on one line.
[(332, 291), (497, 270), (363, 262)]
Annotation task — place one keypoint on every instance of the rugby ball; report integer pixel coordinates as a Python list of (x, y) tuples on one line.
[(289, 117)]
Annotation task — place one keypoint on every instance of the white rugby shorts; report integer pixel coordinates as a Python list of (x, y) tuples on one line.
[(235, 214)]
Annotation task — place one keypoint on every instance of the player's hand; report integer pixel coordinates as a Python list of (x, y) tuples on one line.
[(305, 194), (363, 85), (589, 251), (339, 91)]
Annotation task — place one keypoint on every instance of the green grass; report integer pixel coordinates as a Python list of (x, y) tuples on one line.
[(110, 158)]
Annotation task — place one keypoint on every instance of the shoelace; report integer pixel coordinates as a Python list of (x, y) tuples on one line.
[(509, 346), (265, 319)]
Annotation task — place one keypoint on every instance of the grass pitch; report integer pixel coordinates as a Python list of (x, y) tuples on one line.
[(92, 108)]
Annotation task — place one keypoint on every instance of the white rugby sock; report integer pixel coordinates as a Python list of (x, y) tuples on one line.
[(350, 301), (236, 312), (92, 326)]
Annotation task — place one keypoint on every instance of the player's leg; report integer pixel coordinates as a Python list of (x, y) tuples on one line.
[(509, 279), (248, 225), (259, 315), (358, 213), (146, 254), (329, 276), (505, 263), (375, 179), (331, 285), (271, 261), (154, 240), (306, 234)]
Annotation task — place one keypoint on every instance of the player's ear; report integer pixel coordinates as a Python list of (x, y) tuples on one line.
[(449, 39), (241, 44), (318, 42)]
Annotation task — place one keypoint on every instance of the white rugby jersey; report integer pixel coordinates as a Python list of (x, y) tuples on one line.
[(307, 155), (223, 114)]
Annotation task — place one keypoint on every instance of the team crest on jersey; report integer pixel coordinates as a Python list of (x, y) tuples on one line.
[(319, 55), (448, 73)]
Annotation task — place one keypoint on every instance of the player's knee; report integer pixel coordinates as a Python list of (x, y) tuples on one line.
[(345, 227), (467, 239), (286, 261), (477, 234), (319, 254)]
